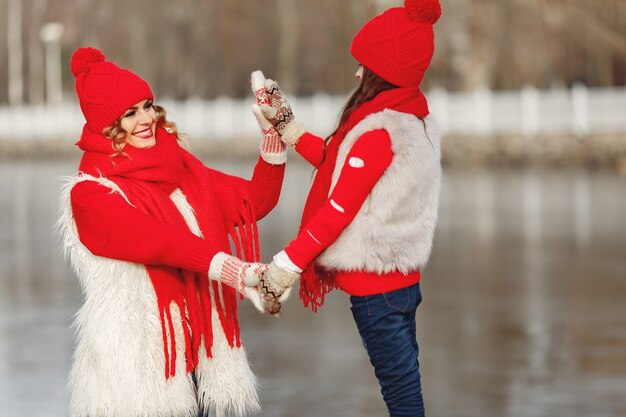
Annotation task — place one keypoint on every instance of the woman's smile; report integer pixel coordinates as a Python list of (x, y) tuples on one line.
[(144, 134)]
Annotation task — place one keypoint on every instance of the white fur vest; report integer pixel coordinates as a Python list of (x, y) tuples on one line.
[(393, 230), (118, 363)]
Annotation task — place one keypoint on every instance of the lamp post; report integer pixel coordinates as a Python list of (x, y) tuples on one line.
[(50, 34)]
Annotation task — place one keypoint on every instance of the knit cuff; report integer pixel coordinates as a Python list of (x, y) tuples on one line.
[(199, 258), (311, 148), (302, 251), (215, 268), (291, 134), (274, 158), (282, 260), (281, 277)]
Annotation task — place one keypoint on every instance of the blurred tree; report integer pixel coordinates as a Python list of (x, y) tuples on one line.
[(15, 56), (207, 48), (288, 23), (35, 76), (595, 37)]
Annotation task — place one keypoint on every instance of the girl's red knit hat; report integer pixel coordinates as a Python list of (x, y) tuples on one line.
[(398, 44), (105, 90)]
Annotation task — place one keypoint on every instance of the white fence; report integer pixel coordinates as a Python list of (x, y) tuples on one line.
[(529, 112)]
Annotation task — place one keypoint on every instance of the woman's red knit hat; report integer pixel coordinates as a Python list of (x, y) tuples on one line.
[(105, 90), (398, 44)]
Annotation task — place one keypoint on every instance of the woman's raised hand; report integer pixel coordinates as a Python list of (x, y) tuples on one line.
[(275, 107), (273, 150)]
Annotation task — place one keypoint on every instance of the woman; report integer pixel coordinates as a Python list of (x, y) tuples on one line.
[(146, 227), (369, 219)]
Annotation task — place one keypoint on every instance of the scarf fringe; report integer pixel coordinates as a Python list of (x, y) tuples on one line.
[(166, 353), (207, 317), (314, 285), (188, 349), (169, 336), (244, 233), (226, 325), (200, 293), (172, 343), (193, 301), (197, 325)]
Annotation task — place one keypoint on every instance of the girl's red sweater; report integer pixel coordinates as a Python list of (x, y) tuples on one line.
[(365, 164)]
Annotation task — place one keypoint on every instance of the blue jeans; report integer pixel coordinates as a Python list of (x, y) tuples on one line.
[(386, 323)]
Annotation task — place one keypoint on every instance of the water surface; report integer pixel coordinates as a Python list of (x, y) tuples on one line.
[(523, 312)]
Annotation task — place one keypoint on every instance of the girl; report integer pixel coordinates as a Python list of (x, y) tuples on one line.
[(146, 228), (369, 219)]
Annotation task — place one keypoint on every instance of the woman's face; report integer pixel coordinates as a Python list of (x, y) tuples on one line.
[(139, 122)]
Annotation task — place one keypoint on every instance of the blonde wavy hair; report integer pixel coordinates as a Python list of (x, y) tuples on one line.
[(117, 134)]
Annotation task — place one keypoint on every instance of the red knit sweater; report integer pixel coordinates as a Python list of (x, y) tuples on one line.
[(108, 226), (365, 164)]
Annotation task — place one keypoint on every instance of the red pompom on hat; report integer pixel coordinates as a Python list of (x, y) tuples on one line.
[(105, 90), (398, 44)]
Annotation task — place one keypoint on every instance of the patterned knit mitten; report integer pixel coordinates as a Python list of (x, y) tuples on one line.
[(273, 150), (242, 276), (276, 284), (280, 114)]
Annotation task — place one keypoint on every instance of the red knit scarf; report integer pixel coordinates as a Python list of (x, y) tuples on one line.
[(316, 282), (147, 177)]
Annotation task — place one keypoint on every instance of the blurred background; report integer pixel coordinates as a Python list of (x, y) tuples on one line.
[(523, 312)]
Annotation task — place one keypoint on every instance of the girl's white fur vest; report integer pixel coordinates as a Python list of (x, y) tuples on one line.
[(393, 230), (118, 365)]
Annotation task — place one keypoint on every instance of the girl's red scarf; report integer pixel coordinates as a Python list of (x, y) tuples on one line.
[(147, 177), (316, 282)]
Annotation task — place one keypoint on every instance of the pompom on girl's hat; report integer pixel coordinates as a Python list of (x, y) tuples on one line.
[(398, 44), (105, 90)]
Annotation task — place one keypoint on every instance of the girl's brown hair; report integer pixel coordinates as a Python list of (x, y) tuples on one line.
[(118, 135), (371, 84)]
